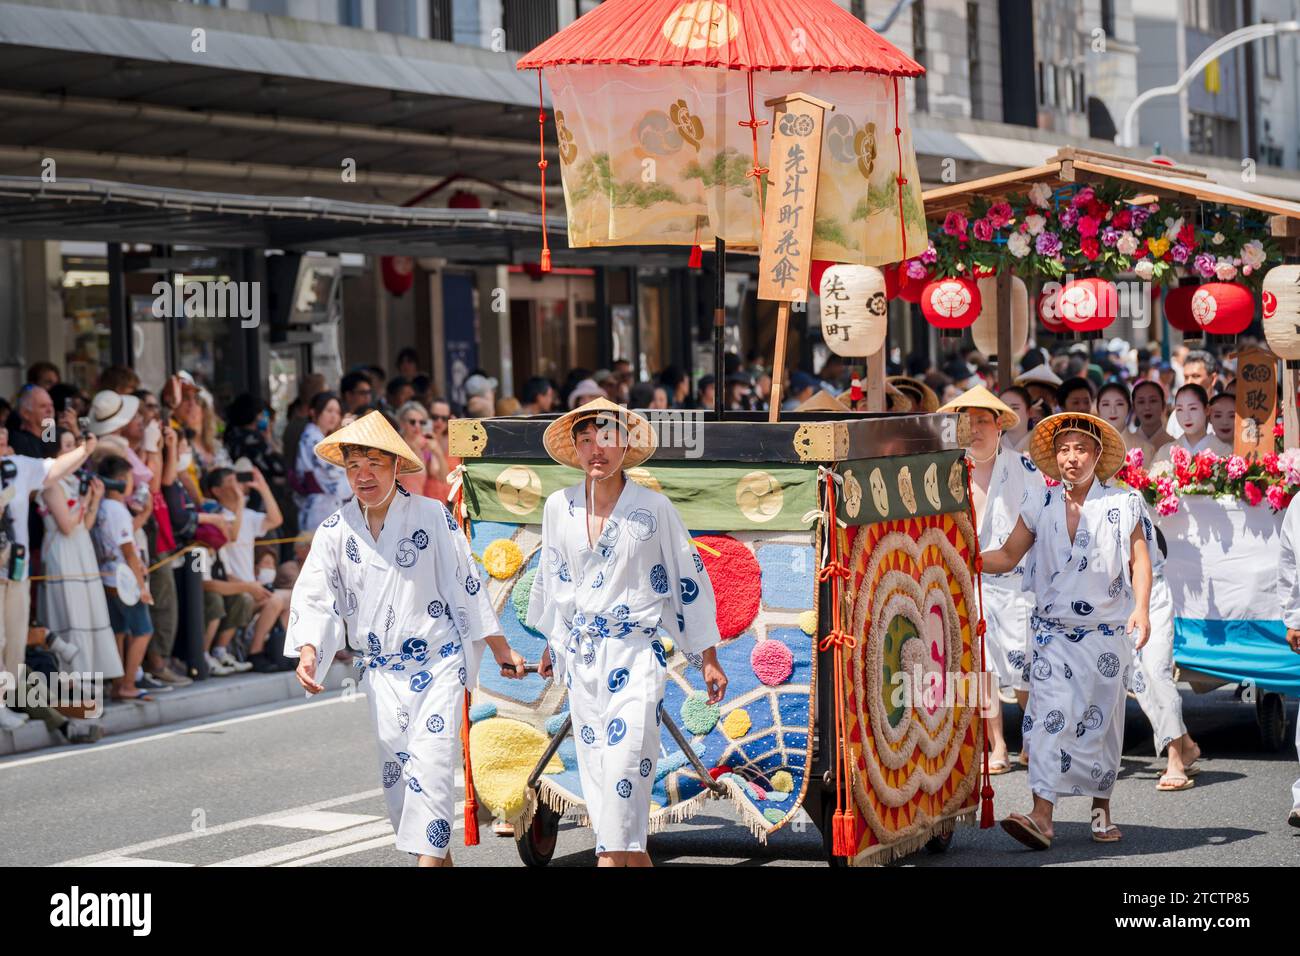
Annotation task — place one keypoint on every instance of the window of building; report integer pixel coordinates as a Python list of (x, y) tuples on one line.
[(1083, 92), (350, 13), (275, 8), (528, 22), (1272, 69), (919, 55), (397, 16), (1042, 84), (1108, 17), (973, 59), (1210, 16), (1213, 135), (441, 20)]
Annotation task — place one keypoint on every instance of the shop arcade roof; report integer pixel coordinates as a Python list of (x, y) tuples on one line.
[(98, 210)]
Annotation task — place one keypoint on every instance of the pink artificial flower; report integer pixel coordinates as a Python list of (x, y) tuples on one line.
[(1253, 495), (1134, 458), (1276, 497), (982, 230), (1236, 467), (1088, 226), (954, 224), (999, 214), (1180, 456), (1083, 197), (1167, 505)]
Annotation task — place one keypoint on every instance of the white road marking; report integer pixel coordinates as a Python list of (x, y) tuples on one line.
[(378, 843), (76, 750), (292, 851), (262, 820), (137, 861), (324, 821)]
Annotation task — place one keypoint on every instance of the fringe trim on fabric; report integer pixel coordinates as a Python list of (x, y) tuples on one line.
[(889, 852)]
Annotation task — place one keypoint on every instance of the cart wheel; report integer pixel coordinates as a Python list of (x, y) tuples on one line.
[(939, 844), (1270, 714), (537, 845), (828, 836)]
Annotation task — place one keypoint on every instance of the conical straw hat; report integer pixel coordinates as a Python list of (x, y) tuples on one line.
[(1043, 453), (923, 397), (823, 401), (370, 431), (981, 397), (641, 439)]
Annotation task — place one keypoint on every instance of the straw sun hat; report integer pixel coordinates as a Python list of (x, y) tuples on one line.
[(923, 397), (370, 431), (1043, 452), (641, 439), (981, 397)]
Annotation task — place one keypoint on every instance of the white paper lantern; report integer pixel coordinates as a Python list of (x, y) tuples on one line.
[(985, 329), (1281, 297), (854, 309)]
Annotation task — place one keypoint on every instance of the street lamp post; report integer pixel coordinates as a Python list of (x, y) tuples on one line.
[(1127, 135)]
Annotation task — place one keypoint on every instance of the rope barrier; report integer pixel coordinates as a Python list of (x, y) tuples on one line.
[(165, 559)]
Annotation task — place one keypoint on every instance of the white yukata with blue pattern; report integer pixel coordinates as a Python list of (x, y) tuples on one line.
[(415, 605), (1288, 593), (600, 612), (1081, 654), (1015, 482)]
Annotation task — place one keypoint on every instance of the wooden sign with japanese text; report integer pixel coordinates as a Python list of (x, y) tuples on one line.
[(785, 253), (1256, 389)]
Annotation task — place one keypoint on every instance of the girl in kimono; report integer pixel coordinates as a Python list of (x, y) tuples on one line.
[(321, 486), (1002, 483), (1090, 574), (391, 577), (617, 567), (1115, 405)]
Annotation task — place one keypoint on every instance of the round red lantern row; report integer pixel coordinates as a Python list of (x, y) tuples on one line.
[(1216, 308), (1083, 305)]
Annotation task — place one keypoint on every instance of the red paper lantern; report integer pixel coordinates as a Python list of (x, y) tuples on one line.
[(1223, 308), (951, 303), (893, 276), (398, 273), (816, 271), (1178, 309), (1047, 311), (1088, 305)]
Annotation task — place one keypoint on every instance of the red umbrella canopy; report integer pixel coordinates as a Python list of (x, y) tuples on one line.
[(775, 35), (659, 106)]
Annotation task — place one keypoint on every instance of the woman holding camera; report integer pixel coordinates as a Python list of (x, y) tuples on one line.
[(72, 602)]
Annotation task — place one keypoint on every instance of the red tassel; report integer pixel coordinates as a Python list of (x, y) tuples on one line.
[(986, 807), (546, 260), (842, 834), (697, 258), (471, 799)]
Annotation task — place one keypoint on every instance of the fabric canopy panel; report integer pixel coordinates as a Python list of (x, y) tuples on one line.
[(651, 156)]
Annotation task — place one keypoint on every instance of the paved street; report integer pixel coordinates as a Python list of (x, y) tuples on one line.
[(295, 786)]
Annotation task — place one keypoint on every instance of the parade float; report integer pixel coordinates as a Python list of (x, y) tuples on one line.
[(1085, 234), (839, 543)]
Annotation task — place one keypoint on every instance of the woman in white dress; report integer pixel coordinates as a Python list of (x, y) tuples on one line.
[(321, 487), (72, 603)]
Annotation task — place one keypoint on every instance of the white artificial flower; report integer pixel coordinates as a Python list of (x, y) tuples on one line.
[(1040, 194), (1144, 269), (1253, 254), (1171, 229), (1018, 244), (1218, 239), (1225, 271), (1035, 223), (1126, 244)]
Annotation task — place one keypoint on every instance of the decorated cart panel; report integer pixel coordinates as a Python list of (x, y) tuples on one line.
[(906, 598)]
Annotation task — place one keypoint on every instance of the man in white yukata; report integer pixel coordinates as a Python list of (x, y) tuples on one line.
[(390, 577), (1002, 484), (617, 564), (1090, 574), (1288, 593)]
